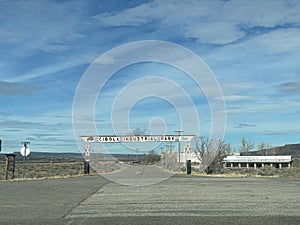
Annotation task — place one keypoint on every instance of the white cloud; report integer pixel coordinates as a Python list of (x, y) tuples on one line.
[(11, 37), (234, 88), (234, 98), (262, 13), (106, 59), (215, 22), (280, 41), (253, 33), (17, 89), (292, 87), (34, 26), (54, 48), (50, 69), (267, 106), (217, 32), (130, 17)]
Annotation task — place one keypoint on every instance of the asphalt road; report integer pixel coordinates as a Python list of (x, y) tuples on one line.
[(178, 200)]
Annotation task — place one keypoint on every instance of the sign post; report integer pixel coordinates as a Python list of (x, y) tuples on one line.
[(179, 151), (10, 166), (24, 151), (86, 169)]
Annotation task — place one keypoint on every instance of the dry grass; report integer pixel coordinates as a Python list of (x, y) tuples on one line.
[(250, 172), (39, 170), (46, 170), (261, 172)]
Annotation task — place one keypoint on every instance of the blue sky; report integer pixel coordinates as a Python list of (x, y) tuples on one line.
[(251, 47)]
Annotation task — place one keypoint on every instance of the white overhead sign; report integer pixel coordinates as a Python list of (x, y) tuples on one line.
[(137, 138), (167, 138), (186, 137), (88, 138), (109, 139)]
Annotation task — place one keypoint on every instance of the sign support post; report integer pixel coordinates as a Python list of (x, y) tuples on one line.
[(179, 140), (9, 166), (24, 152), (86, 166)]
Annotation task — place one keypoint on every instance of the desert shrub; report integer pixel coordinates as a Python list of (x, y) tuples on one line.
[(45, 170), (267, 171), (291, 172), (195, 169), (295, 172)]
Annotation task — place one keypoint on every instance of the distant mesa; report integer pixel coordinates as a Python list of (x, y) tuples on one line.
[(289, 149)]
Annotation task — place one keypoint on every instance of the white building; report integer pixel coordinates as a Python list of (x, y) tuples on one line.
[(194, 157), (278, 161)]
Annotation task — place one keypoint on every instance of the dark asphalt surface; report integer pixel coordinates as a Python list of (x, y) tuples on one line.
[(39, 201), (179, 200)]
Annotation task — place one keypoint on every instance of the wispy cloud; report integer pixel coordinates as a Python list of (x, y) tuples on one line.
[(281, 132), (15, 89), (280, 41), (208, 22), (252, 47), (239, 98), (292, 87), (245, 125), (282, 106), (49, 69), (42, 22)]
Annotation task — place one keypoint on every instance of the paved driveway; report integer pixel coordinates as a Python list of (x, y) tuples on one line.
[(179, 200)]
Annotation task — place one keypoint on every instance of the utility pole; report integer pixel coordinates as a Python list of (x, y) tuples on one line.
[(179, 134)]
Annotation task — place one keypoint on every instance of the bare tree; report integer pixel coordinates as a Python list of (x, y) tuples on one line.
[(263, 147), (210, 152), (227, 149), (152, 157), (137, 131), (246, 146)]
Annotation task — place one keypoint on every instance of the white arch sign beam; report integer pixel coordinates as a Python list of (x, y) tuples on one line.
[(137, 138)]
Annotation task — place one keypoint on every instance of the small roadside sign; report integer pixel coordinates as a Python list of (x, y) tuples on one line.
[(24, 151)]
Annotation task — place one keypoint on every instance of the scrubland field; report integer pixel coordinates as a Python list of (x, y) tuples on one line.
[(62, 166), (45, 169)]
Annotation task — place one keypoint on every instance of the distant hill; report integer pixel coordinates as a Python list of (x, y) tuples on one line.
[(69, 157), (47, 157), (290, 149)]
